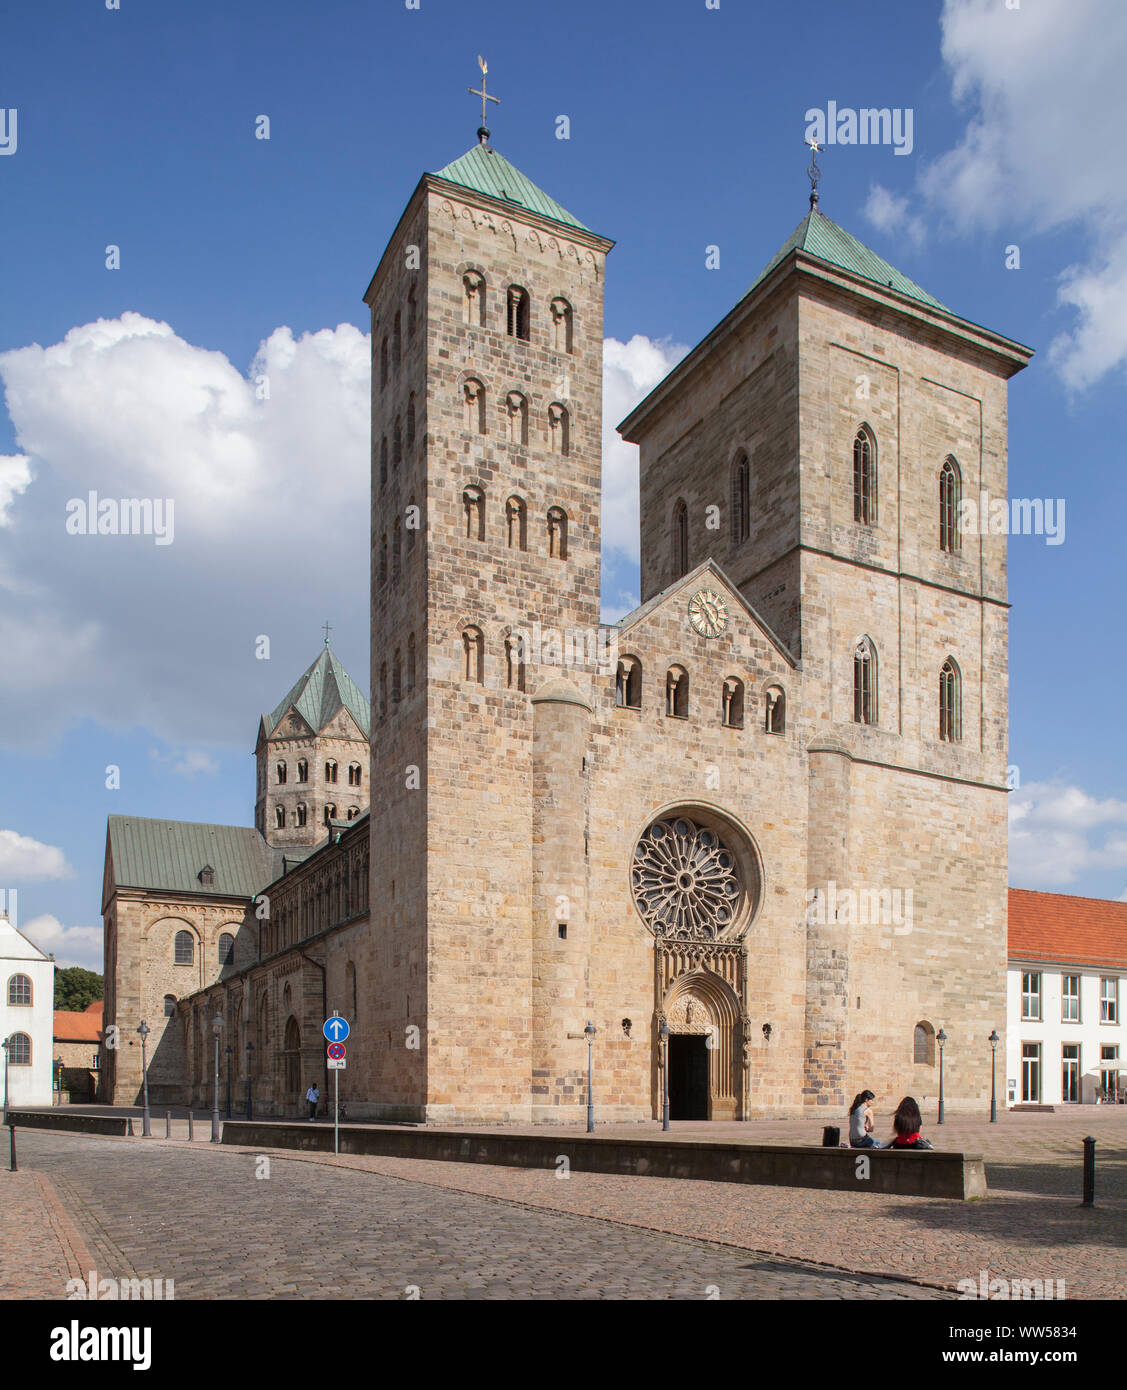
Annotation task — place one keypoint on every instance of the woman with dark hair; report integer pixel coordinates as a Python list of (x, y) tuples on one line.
[(861, 1122), (906, 1125)]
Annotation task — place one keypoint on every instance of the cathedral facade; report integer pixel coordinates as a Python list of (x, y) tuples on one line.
[(754, 833)]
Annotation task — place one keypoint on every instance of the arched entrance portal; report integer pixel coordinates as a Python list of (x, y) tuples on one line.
[(292, 1055), (705, 1047)]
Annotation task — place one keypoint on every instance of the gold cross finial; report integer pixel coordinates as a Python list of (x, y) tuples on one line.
[(483, 133)]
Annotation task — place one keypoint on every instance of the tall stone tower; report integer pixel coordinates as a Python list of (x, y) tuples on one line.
[(486, 320), (312, 757)]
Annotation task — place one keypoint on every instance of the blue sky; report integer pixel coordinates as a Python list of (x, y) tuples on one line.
[(136, 128)]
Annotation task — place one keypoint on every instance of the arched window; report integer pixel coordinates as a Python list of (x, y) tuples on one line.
[(557, 533), (473, 651), (411, 422), (473, 298), (950, 702), (170, 1006), (383, 361), (411, 524), (514, 662), (280, 817), (281, 770), (864, 477), (923, 1044), (733, 702), (516, 519), (350, 985), (562, 317), (473, 406), (302, 813), (331, 770), (864, 682), (677, 693), (355, 773), (396, 446), (397, 676), (226, 948), (741, 500), (473, 504), (950, 488), (19, 1050), (184, 948), (383, 559), (396, 552), (411, 662), (302, 770), (353, 812), (383, 690), (516, 411), (628, 683), (330, 812), (775, 711), (559, 428), (19, 989), (291, 1055), (680, 539), (396, 343), (412, 313), (383, 461), (516, 319)]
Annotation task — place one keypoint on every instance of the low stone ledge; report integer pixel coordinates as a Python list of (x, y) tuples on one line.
[(65, 1118), (912, 1173)]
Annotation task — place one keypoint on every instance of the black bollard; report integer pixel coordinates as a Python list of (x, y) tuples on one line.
[(168, 1124), (190, 1136), (1089, 1173), (12, 1139)]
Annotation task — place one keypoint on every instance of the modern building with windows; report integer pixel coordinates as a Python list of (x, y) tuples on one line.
[(27, 998), (1065, 996)]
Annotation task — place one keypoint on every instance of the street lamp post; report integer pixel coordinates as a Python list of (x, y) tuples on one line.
[(993, 1040), (589, 1034), (663, 1035), (217, 1029), (4, 1044), (144, 1030), (228, 1107), (58, 1081), (940, 1038), (250, 1068)]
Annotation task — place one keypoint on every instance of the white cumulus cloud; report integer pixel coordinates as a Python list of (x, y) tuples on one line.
[(1059, 833), (24, 860), (69, 945)]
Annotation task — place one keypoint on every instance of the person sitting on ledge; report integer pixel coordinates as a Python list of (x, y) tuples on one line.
[(906, 1125), (861, 1122)]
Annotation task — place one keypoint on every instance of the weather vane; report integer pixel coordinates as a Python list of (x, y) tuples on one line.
[(814, 173), (483, 130)]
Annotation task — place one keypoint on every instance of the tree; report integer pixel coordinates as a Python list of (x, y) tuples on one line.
[(75, 988)]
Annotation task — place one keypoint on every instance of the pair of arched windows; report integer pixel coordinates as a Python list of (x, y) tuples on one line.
[(398, 689), (473, 659), (19, 990), (865, 489), (391, 348), (865, 690), (355, 771), (628, 695)]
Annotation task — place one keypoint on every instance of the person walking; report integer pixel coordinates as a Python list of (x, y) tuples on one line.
[(906, 1126), (313, 1095), (861, 1123)]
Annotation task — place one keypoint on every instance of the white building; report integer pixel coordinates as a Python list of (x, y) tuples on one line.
[(27, 1003), (1064, 999)]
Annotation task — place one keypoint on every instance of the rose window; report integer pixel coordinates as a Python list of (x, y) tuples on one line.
[(687, 882)]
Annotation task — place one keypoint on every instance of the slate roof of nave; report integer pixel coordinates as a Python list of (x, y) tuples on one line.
[(324, 689), (486, 170), (692, 577), (817, 235)]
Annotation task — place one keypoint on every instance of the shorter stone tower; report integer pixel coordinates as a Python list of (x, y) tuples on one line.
[(312, 756)]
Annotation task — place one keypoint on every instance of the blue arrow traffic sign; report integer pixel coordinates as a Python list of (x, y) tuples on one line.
[(336, 1029)]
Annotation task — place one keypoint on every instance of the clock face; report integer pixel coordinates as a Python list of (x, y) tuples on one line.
[(708, 613)]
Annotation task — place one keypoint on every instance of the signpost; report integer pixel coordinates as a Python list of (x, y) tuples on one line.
[(336, 1030)]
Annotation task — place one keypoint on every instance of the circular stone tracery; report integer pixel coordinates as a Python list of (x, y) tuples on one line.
[(687, 882)]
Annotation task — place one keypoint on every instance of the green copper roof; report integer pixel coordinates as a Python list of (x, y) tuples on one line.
[(320, 693), (486, 171), (817, 236), (168, 855)]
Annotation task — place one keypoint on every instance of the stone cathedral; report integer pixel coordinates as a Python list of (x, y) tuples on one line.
[(765, 811)]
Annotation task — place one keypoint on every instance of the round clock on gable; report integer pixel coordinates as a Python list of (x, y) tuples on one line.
[(708, 613)]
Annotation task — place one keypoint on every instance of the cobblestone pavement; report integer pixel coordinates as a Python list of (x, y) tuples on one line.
[(156, 1209), (39, 1246)]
